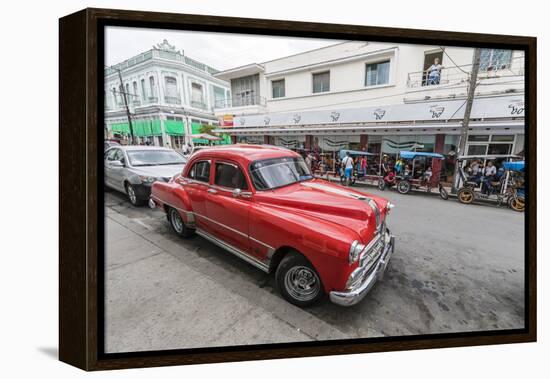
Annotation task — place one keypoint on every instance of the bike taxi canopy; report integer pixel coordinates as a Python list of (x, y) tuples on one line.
[(490, 157), (354, 152), (514, 166), (414, 154)]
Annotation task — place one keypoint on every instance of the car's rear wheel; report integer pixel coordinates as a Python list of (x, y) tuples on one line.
[(132, 195), (298, 281), (177, 224)]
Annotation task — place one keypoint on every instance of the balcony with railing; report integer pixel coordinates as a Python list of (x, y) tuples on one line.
[(150, 100), (490, 72), (173, 100), (240, 101), (198, 104)]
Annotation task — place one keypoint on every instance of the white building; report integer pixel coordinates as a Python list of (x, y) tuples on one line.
[(377, 97), (165, 89)]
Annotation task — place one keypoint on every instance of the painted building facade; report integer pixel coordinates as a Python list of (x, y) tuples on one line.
[(165, 89), (378, 97)]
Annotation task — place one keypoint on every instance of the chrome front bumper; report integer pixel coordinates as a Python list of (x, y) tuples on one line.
[(354, 296)]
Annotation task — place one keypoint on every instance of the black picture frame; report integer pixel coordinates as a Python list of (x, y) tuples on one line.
[(81, 235)]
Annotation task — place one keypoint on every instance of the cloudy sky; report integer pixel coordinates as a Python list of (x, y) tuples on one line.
[(219, 50)]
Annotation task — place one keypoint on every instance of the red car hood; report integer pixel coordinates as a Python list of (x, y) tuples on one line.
[(330, 202)]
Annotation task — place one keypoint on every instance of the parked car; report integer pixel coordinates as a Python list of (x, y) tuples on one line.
[(262, 204), (107, 144), (133, 169)]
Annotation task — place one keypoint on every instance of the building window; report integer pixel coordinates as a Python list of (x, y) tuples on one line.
[(245, 90), (171, 86), (219, 97), (152, 86), (494, 59), (197, 99), (502, 138), (115, 97), (278, 88), (127, 91), (321, 82), (377, 73), (478, 138), (135, 87), (143, 93)]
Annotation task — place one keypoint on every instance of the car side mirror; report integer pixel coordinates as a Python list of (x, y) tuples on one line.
[(117, 164), (237, 192)]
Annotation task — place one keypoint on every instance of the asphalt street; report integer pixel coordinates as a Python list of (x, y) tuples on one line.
[(456, 268)]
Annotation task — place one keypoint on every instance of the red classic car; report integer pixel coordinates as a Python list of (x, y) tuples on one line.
[(262, 204)]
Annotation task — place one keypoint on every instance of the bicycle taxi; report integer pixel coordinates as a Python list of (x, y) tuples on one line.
[(416, 175), (506, 187)]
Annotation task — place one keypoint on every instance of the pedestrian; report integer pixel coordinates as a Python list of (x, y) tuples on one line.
[(489, 174), (308, 161), (434, 72), (363, 166), (347, 165)]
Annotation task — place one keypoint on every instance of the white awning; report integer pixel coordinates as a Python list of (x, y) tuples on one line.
[(442, 111)]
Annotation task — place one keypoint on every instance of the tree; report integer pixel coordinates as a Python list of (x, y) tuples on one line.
[(207, 129)]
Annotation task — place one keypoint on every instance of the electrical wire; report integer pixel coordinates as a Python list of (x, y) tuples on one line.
[(448, 56)]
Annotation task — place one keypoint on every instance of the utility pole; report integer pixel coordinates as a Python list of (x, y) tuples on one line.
[(123, 92), (467, 112), (188, 132)]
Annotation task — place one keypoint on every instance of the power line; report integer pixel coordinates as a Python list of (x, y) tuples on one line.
[(457, 66)]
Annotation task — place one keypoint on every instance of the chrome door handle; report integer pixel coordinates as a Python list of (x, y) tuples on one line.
[(212, 190)]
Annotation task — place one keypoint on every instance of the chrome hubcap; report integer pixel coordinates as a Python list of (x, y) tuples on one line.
[(132, 194), (302, 283), (176, 221)]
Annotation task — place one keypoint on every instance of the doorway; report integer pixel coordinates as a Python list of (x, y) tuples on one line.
[(429, 57)]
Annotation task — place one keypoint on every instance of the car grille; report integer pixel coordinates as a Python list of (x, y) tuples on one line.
[(372, 254)]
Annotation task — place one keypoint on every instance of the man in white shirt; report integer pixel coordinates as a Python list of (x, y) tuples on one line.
[(489, 173), (347, 165)]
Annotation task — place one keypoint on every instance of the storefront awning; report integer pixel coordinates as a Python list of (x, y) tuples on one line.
[(447, 110)]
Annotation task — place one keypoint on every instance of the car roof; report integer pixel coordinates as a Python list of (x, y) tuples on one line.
[(139, 147), (245, 153)]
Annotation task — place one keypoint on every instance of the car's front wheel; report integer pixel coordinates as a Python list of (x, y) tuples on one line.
[(177, 224), (298, 281), (132, 195)]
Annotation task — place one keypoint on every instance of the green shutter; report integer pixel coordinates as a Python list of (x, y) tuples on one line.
[(121, 128), (174, 127), (155, 128)]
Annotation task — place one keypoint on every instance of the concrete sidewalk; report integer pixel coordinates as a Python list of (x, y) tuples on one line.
[(161, 295)]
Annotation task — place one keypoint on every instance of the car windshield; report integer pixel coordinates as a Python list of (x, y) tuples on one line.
[(278, 172), (154, 157)]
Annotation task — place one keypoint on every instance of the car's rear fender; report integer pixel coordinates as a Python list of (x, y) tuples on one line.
[(172, 195)]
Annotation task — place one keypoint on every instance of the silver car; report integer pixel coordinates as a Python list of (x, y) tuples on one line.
[(133, 169)]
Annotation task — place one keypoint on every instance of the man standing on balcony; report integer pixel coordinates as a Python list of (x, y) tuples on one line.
[(434, 72)]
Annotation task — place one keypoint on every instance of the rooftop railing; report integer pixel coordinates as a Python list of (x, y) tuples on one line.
[(160, 54)]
